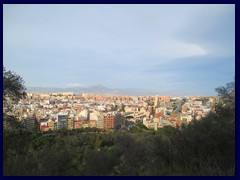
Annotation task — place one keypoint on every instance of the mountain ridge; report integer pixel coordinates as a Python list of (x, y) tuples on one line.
[(100, 89)]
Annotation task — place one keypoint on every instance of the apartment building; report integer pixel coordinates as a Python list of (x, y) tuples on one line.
[(109, 121), (62, 118)]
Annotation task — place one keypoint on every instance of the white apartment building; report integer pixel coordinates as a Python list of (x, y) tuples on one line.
[(83, 115)]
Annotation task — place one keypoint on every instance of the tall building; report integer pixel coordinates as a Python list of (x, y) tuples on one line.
[(119, 120), (29, 123), (62, 118), (100, 120), (156, 102), (109, 121)]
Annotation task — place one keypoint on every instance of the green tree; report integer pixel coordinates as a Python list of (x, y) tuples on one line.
[(13, 86), (13, 91), (207, 147), (227, 93)]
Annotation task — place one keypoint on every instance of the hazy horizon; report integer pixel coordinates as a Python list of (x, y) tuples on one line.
[(109, 91), (162, 48)]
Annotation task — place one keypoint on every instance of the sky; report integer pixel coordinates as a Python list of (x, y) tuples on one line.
[(185, 49)]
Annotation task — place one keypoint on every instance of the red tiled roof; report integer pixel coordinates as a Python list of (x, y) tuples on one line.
[(158, 115), (44, 126)]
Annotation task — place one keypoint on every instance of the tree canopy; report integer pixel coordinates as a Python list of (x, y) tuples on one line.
[(13, 91), (13, 85), (227, 93)]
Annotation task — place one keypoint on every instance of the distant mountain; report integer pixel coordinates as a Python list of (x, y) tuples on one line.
[(99, 89), (69, 89)]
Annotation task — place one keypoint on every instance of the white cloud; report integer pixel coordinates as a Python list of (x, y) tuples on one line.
[(172, 49), (75, 85)]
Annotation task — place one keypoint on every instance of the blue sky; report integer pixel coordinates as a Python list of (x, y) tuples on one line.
[(185, 49)]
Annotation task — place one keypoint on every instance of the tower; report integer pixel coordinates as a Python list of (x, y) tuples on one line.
[(156, 102)]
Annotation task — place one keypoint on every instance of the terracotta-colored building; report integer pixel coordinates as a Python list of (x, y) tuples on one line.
[(164, 98), (158, 115), (44, 128), (109, 121), (184, 108), (77, 124)]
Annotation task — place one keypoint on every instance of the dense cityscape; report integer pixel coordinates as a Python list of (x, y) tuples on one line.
[(119, 90), (54, 111)]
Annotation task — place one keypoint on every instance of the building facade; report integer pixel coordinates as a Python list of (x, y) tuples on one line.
[(109, 121), (62, 118)]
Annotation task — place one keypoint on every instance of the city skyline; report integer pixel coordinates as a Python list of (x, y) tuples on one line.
[(163, 48)]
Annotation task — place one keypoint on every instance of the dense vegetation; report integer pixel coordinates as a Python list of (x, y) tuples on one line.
[(205, 147)]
